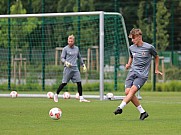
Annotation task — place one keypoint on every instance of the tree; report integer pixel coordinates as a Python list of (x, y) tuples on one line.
[(145, 20), (74, 23), (49, 6), (72, 6), (3, 6), (162, 22), (19, 27)]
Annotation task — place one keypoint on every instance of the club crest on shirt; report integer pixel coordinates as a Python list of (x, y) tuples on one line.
[(143, 53)]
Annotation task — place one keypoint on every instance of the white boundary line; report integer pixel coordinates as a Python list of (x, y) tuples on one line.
[(61, 96)]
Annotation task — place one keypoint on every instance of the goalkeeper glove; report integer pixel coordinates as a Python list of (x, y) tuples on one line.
[(67, 64), (84, 68)]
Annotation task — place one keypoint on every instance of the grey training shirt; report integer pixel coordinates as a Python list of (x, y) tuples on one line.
[(71, 55), (142, 56)]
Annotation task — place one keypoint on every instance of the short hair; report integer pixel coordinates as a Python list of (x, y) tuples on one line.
[(134, 32), (71, 37)]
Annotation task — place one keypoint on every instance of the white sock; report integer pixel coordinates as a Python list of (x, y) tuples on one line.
[(122, 105), (140, 109), (81, 97)]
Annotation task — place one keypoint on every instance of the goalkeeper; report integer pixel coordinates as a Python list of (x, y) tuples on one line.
[(69, 57)]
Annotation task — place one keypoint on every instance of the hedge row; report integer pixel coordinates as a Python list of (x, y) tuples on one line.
[(162, 87)]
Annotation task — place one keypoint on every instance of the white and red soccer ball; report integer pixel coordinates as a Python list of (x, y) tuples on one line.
[(110, 96), (55, 113), (13, 94), (50, 95), (66, 95)]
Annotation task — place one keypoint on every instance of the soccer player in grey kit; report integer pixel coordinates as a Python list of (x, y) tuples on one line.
[(69, 57), (139, 63)]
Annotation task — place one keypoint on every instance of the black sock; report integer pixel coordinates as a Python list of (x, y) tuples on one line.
[(61, 87), (79, 87)]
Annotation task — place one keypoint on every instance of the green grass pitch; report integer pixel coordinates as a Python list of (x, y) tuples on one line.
[(29, 116)]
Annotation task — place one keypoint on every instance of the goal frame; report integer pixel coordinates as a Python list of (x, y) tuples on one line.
[(101, 36)]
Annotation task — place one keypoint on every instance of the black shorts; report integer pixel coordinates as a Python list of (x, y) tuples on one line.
[(133, 78)]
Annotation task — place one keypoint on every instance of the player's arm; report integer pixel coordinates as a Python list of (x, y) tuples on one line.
[(128, 65), (80, 58), (82, 62), (63, 58), (63, 55), (154, 53), (156, 65)]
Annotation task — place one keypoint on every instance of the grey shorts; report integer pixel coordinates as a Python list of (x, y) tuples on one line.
[(133, 78), (72, 74)]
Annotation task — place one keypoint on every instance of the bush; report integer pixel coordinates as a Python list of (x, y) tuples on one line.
[(161, 87), (173, 73), (164, 87)]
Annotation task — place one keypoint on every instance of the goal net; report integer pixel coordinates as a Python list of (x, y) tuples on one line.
[(31, 45)]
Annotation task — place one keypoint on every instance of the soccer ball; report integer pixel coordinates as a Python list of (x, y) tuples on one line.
[(77, 96), (66, 95), (55, 113), (50, 95), (13, 94), (110, 96)]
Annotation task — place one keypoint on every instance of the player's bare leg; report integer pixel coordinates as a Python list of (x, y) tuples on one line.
[(134, 99), (130, 96), (131, 92)]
